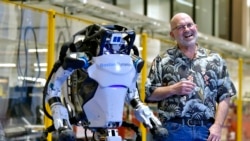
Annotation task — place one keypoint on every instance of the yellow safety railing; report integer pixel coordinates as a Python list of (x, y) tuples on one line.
[(143, 79), (239, 101), (50, 60)]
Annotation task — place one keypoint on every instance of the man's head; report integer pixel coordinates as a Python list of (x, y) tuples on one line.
[(183, 30)]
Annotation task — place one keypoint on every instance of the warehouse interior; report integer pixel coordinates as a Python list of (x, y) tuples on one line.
[(29, 48)]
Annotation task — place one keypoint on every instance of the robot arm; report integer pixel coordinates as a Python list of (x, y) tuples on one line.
[(53, 97), (142, 112), (145, 115)]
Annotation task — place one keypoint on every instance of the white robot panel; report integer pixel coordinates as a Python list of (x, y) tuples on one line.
[(114, 74), (113, 69), (105, 109)]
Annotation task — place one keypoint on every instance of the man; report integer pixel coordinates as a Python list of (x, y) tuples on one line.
[(188, 82)]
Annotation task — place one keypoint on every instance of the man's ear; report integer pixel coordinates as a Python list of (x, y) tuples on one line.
[(172, 35), (196, 26)]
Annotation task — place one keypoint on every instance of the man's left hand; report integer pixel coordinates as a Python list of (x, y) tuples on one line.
[(215, 132)]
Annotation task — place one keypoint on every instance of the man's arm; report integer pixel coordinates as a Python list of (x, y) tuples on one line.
[(181, 88), (222, 111), (161, 93), (221, 114)]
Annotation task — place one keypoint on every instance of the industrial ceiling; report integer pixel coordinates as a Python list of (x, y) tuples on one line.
[(158, 29), (101, 12)]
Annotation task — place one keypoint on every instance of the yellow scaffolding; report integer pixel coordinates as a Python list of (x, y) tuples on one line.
[(239, 102), (143, 79)]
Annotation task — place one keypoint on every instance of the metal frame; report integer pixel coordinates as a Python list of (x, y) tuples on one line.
[(160, 29)]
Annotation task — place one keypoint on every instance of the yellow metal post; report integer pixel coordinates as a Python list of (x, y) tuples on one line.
[(143, 79), (239, 101), (50, 59)]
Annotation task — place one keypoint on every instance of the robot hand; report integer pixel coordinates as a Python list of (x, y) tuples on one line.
[(60, 117), (146, 116)]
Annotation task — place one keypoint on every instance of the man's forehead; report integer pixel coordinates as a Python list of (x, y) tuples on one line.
[(181, 19)]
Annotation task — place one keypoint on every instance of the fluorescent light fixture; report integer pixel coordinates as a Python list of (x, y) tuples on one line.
[(84, 1), (121, 13), (2, 80), (37, 50), (41, 80), (185, 3), (248, 3), (41, 65), (140, 48), (41, 69), (7, 65)]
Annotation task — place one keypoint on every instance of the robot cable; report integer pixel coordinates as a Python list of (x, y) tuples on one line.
[(19, 70)]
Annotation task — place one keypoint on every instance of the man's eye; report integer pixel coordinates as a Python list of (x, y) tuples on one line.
[(180, 27), (189, 25)]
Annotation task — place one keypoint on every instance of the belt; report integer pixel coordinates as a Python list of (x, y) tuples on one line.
[(192, 122)]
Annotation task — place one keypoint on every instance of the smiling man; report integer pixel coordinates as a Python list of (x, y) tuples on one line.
[(188, 82)]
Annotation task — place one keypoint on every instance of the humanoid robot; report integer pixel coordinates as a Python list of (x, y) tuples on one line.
[(99, 69)]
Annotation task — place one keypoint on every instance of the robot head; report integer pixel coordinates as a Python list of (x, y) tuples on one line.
[(104, 39)]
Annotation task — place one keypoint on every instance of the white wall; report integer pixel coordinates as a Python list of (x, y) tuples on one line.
[(246, 23), (159, 9)]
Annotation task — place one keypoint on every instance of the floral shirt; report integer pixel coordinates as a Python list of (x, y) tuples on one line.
[(208, 70)]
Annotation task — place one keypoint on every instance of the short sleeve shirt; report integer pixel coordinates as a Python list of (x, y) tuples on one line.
[(207, 70)]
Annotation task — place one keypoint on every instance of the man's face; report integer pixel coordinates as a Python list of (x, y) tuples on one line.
[(184, 31)]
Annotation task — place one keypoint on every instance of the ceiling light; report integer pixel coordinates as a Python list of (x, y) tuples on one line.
[(185, 3), (41, 69), (7, 65), (121, 13), (140, 48), (37, 50), (4, 80), (40, 64), (41, 80), (84, 1)]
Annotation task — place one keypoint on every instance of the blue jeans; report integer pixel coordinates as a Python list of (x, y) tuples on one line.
[(182, 132)]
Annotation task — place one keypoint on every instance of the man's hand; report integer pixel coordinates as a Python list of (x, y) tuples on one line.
[(215, 132), (185, 87)]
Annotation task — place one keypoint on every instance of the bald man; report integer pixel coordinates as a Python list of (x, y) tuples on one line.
[(191, 85)]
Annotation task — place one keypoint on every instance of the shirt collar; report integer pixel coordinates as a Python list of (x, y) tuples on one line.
[(176, 52)]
